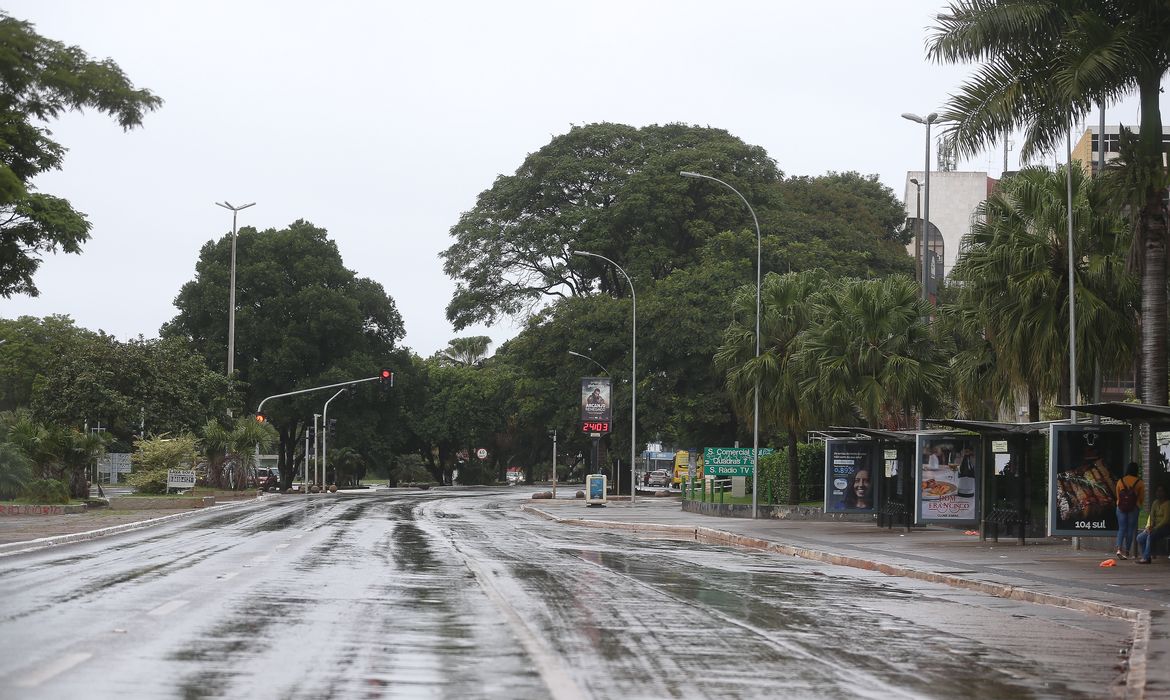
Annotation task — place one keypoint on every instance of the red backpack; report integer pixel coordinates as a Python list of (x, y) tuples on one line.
[(1126, 498)]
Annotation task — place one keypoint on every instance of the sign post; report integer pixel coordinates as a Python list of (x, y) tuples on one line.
[(182, 479)]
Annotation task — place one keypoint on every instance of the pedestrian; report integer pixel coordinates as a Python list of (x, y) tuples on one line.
[(1130, 494), (646, 479), (1157, 525)]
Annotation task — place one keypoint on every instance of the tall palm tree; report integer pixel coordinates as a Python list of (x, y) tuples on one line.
[(468, 350), (784, 315), (1045, 64), (872, 346), (1012, 279)]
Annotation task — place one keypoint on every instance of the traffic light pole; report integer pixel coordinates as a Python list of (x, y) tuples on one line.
[(383, 376), (325, 437)]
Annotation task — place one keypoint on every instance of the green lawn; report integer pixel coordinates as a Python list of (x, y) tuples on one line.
[(747, 500)]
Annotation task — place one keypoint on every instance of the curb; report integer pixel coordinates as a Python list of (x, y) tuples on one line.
[(1139, 649), (11, 548)]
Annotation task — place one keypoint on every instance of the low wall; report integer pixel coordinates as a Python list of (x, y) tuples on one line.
[(59, 509), (146, 503), (728, 510)]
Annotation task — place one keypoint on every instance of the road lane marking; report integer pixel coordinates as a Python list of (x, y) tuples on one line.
[(282, 546), (167, 608), (228, 576), (53, 668)]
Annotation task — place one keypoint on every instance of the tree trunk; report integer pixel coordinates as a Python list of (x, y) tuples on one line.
[(1152, 230), (1033, 405), (793, 470)]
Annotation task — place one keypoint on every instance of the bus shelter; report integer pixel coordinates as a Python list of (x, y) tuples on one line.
[(1003, 471), (1156, 460), (890, 455)]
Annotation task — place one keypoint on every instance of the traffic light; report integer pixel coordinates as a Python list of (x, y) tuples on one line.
[(386, 378), (332, 428), (261, 418), (312, 430)]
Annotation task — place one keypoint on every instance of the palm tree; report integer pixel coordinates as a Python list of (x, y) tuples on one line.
[(1011, 280), (1045, 64), (466, 351), (784, 315), (234, 445), (872, 347)]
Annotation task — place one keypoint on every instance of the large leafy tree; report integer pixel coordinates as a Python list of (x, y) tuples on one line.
[(159, 385), (32, 347), (1044, 65), (302, 320), (39, 80), (1012, 302)]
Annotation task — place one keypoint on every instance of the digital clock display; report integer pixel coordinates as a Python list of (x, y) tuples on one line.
[(594, 426)]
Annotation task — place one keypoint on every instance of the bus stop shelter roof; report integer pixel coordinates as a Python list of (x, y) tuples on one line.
[(1119, 410), (891, 435), (995, 428)]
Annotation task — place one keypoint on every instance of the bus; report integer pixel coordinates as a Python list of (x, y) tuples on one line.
[(682, 465)]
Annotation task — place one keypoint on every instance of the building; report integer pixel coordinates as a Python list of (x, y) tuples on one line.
[(1087, 151), (954, 200)]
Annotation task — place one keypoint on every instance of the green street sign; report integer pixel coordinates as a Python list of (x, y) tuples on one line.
[(730, 461)]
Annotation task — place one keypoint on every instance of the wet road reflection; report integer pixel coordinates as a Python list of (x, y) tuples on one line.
[(458, 594)]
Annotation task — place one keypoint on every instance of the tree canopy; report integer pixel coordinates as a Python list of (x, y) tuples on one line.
[(39, 80)]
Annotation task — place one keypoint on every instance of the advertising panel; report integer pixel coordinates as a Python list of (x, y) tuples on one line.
[(850, 486), (949, 479), (1084, 463), (596, 404), (722, 462)]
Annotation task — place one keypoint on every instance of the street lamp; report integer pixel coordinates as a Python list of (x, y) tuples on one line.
[(231, 360), (930, 119), (756, 399), (586, 357), (633, 367)]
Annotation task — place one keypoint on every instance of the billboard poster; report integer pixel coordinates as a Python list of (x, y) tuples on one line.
[(949, 479), (596, 404), (850, 486), (1084, 463)]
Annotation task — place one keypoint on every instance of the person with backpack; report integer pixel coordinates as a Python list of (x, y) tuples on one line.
[(1131, 493)]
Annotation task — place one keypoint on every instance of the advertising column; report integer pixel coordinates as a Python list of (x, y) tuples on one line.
[(1084, 463), (850, 486), (949, 479)]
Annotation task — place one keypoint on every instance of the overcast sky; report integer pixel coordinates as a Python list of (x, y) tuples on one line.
[(382, 121)]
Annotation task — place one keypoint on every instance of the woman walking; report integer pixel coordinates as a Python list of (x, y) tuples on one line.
[(1131, 493)]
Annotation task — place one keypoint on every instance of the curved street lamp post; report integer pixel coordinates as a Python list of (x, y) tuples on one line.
[(633, 367), (231, 359), (756, 398)]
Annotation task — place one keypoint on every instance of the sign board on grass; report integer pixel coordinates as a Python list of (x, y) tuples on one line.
[(180, 478)]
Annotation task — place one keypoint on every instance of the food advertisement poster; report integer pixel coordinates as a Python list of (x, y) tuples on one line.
[(949, 479), (1084, 463), (850, 486)]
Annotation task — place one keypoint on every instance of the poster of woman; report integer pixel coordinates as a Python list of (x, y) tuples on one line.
[(1085, 463), (949, 478), (850, 486)]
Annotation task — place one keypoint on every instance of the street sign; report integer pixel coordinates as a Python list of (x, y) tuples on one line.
[(481, 453), (730, 461), (180, 478), (114, 463)]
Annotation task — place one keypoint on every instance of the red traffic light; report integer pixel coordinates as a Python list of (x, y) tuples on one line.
[(386, 374)]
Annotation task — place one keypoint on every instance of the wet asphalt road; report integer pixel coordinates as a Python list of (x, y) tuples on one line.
[(455, 593)]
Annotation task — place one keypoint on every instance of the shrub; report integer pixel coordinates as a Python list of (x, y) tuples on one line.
[(810, 474), (153, 481), (46, 491)]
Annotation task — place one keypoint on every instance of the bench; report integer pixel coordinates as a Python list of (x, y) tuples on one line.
[(891, 511), (1006, 516)]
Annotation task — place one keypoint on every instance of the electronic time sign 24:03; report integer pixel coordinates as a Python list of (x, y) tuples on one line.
[(588, 426)]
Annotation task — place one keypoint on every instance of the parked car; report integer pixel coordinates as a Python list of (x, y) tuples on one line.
[(659, 477), (267, 478)]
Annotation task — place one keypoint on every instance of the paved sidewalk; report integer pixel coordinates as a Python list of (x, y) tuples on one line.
[(1044, 571)]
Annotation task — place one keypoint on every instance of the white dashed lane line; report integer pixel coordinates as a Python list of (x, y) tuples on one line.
[(52, 669), (167, 608)]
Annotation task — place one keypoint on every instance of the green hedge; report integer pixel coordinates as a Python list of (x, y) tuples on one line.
[(810, 473), (46, 491)]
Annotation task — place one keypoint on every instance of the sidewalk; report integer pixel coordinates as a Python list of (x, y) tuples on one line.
[(1044, 571)]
